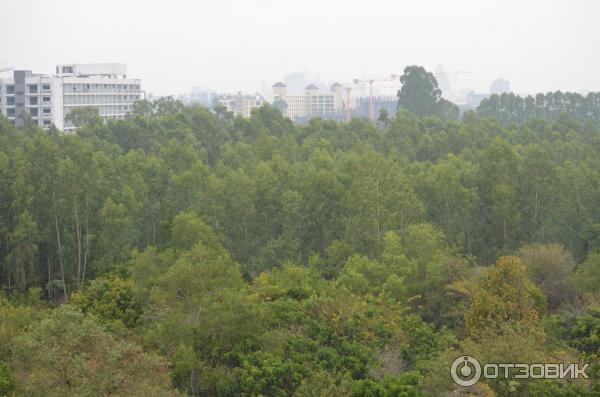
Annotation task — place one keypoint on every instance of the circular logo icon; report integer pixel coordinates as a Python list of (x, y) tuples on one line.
[(465, 371)]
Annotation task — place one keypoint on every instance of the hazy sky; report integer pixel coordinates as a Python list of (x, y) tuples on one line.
[(233, 45)]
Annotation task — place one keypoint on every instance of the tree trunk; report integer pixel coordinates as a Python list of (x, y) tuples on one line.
[(78, 235), (85, 253), (62, 269)]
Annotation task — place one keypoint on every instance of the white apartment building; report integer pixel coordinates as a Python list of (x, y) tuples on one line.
[(312, 102), (49, 98), (240, 104)]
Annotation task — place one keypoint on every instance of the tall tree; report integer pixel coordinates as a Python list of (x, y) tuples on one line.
[(420, 94)]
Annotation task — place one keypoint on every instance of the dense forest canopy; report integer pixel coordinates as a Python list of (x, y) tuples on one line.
[(511, 108), (186, 252)]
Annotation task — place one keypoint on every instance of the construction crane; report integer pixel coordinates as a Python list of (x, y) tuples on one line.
[(393, 77), (456, 74)]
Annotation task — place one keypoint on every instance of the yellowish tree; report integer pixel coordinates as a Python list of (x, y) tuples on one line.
[(503, 295)]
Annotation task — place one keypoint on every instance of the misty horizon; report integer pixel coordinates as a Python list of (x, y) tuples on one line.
[(233, 46)]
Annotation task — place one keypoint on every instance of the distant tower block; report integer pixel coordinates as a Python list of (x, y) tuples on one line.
[(442, 79), (280, 90), (338, 92), (500, 86), (311, 89)]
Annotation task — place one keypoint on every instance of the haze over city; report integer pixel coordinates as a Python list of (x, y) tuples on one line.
[(234, 45), (309, 198)]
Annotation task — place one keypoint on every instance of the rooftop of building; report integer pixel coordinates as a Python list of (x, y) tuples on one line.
[(92, 69)]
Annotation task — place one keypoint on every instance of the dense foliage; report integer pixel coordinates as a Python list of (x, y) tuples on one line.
[(183, 251), (420, 95), (511, 108)]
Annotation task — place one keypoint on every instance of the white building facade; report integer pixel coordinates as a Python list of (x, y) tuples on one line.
[(311, 103), (49, 99), (241, 105)]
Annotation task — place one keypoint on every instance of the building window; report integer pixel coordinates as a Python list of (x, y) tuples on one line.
[(10, 89), (67, 69), (33, 101), (46, 99), (10, 101), (46, 87), (47, 122), (10, 112), (33, 89), (34, 112), (46, 110)]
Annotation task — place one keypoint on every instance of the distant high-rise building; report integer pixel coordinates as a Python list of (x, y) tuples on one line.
[(379, 103), (500, 86), (280, 90), (473, 99), (48, 99), (311, 103), (442, 79), (202, 96), (242, 105), (295, 82)]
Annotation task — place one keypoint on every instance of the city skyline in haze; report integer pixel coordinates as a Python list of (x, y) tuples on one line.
[(235, 45)]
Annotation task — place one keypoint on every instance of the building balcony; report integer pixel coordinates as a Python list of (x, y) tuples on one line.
[(91, 92)]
